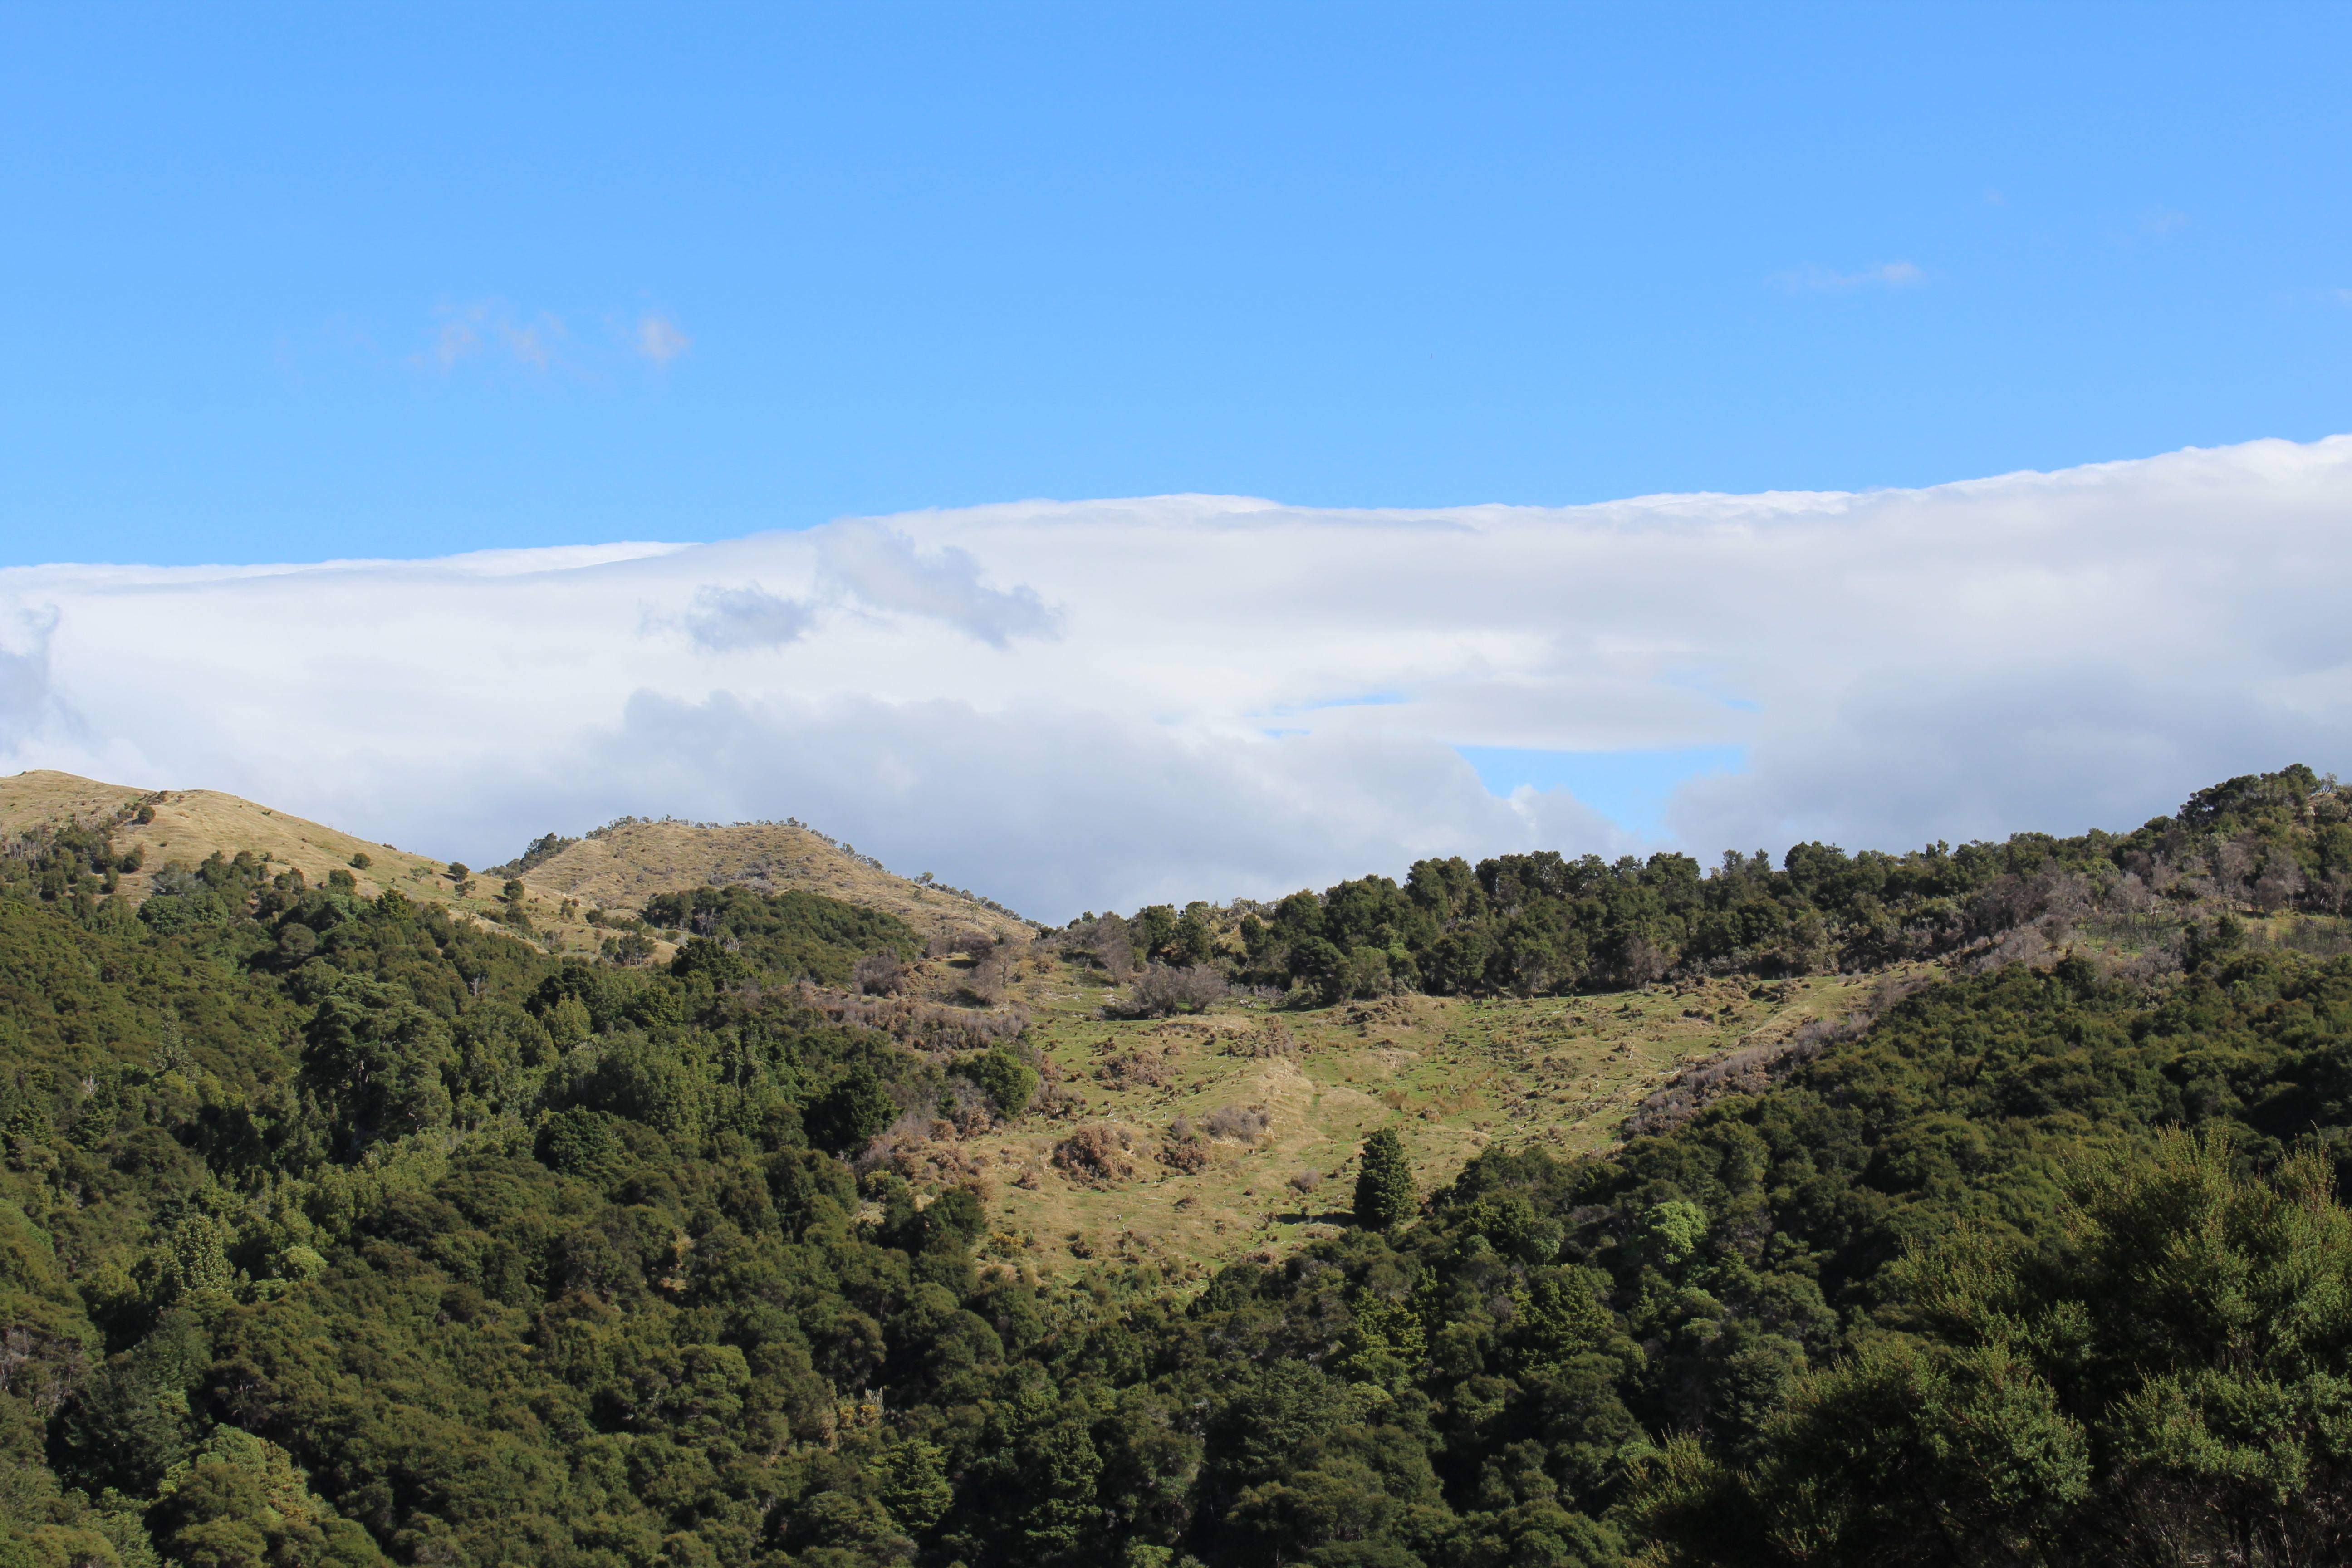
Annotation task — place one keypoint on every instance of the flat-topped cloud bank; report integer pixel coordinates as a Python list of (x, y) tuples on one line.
[(1070, 704)]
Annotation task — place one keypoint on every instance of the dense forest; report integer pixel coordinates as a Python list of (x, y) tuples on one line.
[(335, 1232)]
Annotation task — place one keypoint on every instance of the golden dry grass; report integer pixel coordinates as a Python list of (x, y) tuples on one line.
[(190, 825), (622, 867)]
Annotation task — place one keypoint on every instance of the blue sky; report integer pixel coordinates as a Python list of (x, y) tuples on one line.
[(307, 283), (312, 282)]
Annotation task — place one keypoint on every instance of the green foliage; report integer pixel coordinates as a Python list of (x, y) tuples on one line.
[(545, 847), (1009, 1082), (1384, 1194), (330, 1231), (1540, 923), (784, 936), (2163, 1378), (850, 1112)]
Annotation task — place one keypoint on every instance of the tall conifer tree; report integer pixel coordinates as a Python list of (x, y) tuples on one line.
[(1384, 1194)]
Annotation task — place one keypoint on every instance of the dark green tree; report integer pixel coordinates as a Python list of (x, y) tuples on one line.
[(1384, 1194), (1154, 929), (851, 1111)]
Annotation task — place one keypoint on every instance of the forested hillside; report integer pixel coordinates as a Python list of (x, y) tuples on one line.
[(1540, 923), (333, 1231)]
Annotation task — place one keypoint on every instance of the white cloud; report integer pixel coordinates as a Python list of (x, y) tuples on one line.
[(459, 337), (657, 338), (535, 343), (29, 709), (728, 620), (486, 329), (1889, 275), (1069, 704), (887, 569)]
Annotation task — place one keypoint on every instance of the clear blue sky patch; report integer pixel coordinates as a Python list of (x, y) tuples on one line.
[(1630, 788)]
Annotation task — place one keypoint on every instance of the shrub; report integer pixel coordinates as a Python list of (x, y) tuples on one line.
[(1106, 939), (1159, 990), (977, 943), (1008, 1081), (1133, 1068), (360, 861), (956, 1215), (1094, 1154), (1242, 1123), (880, 975), (1183, 1149)]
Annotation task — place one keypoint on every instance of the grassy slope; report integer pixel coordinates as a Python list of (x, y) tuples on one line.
[(621, 869), (1451, 1075), (191, 824)]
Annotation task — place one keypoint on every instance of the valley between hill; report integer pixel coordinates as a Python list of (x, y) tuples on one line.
[(1457, 1073)]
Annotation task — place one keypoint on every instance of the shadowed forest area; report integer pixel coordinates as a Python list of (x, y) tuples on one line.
[(335, 1231)]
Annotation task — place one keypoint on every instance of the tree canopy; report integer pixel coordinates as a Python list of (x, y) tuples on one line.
[(333, 1231)]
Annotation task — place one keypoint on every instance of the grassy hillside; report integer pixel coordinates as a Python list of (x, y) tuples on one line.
[(187, 825), (1300, 1089), (618, 868), (615, 870)]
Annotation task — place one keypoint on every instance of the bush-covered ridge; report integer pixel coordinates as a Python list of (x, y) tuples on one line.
[(331, 1230), (1542, 923)]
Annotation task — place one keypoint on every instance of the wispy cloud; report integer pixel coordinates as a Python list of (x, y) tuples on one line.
[(1065, 704), (1889, 275), (534, 344), (2163, 225), (459, 337), (487, 329), (539, 342), (657, 338)]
